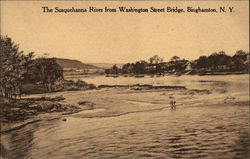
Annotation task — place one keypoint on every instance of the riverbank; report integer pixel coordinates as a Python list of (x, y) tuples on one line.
[(108, 101), (120, 121), (20, 112), (211, 73), (192, 72), (33, 108)]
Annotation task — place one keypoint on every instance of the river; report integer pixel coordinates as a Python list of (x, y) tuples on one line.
[(200, 131), (190, 81)]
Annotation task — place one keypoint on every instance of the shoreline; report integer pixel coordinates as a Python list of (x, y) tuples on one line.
[(7, 127), (46, 114), (118, 100), (54, 116), (157, 75)]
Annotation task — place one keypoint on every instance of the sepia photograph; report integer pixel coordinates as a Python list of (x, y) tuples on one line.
[(132, 79)]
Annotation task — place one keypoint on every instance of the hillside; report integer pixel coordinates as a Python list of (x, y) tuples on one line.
[(68, 63)]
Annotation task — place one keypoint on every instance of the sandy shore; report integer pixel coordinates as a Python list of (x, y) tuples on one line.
[(109, 102), (137, 124)]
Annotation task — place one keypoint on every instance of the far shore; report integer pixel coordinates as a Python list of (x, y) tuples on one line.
[(156, 75)]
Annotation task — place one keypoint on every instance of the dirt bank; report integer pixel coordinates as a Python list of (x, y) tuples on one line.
[(18, 113)]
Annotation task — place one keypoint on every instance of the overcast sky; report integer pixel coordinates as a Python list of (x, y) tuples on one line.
[(121, 38)]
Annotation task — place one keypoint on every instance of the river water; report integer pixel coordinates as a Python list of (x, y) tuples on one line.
[(190, 81), (203, 131)]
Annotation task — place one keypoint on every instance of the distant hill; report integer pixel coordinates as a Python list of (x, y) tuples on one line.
[(68, 63), (106, 65)]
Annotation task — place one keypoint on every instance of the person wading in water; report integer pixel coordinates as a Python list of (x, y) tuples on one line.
[(172, 102)]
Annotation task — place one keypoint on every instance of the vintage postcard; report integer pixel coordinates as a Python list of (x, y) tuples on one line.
[(133, 79)]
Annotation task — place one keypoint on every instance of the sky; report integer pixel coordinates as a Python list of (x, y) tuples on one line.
[(125, 37)]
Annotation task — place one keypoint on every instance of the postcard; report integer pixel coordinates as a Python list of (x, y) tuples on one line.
[(111, 79)]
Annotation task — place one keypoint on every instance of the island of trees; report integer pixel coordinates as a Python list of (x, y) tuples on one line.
[(216, 63)]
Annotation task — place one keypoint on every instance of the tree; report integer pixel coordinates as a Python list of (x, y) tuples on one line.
[(140, 67), (241, 54), (177, 64), (175, 59), (127, 68), (115, 69), (240, 60), (12, 67), (220, 59), (47, 71), (202, 62), (155, 59)]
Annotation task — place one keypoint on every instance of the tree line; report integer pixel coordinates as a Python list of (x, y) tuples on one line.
[(18, 69), (216, 62)]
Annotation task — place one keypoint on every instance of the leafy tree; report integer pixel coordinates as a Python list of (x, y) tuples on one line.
[(202, 62), (180, 65), (140, 67), (155, 59), (13, 66), (240, 60), (46, 71), (115, 69), (177, 64), (241, 54), (216, 60), (127, 68), (175, 59)]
